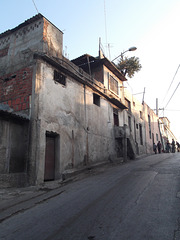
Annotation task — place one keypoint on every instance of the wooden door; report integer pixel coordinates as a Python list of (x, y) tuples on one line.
[(49, 172)]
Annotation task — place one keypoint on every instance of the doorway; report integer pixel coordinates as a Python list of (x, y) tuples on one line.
[(49, 171)]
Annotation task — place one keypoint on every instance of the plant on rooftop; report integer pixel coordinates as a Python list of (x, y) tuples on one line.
[(129, 66)]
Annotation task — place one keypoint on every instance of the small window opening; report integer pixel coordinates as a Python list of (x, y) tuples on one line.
[(116, 117), (59, 77), (96, 99)]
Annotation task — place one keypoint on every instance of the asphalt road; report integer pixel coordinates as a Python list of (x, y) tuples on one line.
[(138, 200)]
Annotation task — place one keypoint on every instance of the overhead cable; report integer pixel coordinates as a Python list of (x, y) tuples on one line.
[(172, 94), (35, 6), (171, 83)]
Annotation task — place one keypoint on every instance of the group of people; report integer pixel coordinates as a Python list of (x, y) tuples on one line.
[(158, 146), (170, 147)]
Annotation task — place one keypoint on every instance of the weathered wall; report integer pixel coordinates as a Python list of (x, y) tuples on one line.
[(139, 116), (155, 132), (85, 130), (17, 45), (13, 152)]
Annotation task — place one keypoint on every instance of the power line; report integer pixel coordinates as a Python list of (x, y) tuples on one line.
[(35, 6), (173, 110), (172, 94), (171, 83)]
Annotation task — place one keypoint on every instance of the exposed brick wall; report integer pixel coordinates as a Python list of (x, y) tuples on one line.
[(15, 89)]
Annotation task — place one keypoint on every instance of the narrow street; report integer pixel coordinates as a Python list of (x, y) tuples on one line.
[(138, 200)]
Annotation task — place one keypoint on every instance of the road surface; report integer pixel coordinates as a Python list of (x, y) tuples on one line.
[(138, 200)]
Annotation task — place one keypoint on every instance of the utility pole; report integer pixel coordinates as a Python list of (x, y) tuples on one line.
[(143, 96), (157, 108)]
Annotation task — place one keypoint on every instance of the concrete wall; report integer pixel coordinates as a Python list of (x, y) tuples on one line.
[(139, 116), (85, 130), (17, 45), (155, 131)]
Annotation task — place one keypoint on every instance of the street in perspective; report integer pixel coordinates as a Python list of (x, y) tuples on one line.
[(89, 136), (135, 200)]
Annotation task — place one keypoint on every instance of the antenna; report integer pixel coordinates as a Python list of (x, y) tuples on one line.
[(105, 21), (35, 6)]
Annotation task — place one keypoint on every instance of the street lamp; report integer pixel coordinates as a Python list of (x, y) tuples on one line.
[(130, 49)]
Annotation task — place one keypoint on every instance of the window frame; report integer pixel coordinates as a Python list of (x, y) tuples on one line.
[(59, 77), (96, 99)]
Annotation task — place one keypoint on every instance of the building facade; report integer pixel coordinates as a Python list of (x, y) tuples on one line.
[(57, 114)]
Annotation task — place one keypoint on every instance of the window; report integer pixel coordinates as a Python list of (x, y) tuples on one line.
[(59, 77), (113, 85), (149, 123), (129, 123), (157, 137), (140, 134), (96, 99), (116, 118), (141, 115), (128, 104)]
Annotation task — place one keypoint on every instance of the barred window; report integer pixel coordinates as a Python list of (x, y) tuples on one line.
[(128, 104), (113, 85), (59, 77)]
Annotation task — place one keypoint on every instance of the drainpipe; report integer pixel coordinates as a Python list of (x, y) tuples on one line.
[(86, 157), (125, 143)]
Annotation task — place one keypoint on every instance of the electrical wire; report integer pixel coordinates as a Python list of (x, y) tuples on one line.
[(173, 110), (35, 6), (171, 83), (172, 95)]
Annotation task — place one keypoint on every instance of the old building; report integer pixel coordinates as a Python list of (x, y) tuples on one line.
[(143, 124), (166, 132), (57, 115), (70, 116)]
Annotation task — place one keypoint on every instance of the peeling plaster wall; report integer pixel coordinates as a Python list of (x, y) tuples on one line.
[(17, 45), (85, 130)]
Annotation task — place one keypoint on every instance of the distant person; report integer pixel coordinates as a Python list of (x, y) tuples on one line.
[(173, 146), (154, 148), (167, 146), (159, 147), (178, 146)]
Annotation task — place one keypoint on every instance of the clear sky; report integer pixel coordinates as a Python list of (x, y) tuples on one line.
[(150, 25)]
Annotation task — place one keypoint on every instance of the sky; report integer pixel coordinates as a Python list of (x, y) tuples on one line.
[(150, 25)]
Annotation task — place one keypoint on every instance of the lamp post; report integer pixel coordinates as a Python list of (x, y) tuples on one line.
[(129, 50)]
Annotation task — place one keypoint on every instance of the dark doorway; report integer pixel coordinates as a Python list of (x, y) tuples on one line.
[(116, 118), (49, 172)]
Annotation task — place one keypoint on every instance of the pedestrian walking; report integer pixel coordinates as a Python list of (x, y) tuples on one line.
[(159, 146), (167, 146), (173, 146), (154, 148), (178, 146)]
